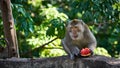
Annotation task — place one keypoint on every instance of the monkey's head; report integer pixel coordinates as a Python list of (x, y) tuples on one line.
[(75, 29)]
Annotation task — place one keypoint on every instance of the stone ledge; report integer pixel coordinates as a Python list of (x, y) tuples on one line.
[(61, 62)]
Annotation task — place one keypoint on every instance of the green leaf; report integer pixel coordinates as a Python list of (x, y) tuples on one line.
[(50, 31)]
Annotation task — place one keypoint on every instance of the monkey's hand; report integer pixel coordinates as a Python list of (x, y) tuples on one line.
[(74, 52), (71, 56), (85, 52)]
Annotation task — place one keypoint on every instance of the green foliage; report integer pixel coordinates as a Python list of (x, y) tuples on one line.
[(50, 17), (57, 28), (101, 51), (23, 20), (55, 22), (52, 53), (2, 40), (116, 6), (39, 38), (95, 10)]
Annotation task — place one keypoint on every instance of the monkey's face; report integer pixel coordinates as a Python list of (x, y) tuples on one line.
[(75, 31)]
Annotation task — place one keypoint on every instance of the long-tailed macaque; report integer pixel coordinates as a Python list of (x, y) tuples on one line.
[(78, 36)]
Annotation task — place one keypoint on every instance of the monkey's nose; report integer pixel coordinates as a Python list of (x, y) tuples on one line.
[(74, 32)]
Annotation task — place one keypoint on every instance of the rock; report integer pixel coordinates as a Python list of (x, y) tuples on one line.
[(61, 62)]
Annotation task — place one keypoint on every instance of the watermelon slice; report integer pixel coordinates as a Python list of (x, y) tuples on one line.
[(85, 52)]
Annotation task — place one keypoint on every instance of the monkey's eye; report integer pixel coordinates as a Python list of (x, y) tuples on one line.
[(76, 27), (79, 30)]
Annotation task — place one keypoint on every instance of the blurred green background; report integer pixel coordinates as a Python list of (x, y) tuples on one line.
[(40, 25)]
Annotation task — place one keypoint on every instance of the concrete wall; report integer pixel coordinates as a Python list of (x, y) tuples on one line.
[(61, 62)]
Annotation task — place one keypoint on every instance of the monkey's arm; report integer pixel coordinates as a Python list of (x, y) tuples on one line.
[(65, 47), (71, 50), (91, 40), (92, 45), (67, 50)]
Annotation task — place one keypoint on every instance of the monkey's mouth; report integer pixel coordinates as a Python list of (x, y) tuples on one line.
[(75, 36)]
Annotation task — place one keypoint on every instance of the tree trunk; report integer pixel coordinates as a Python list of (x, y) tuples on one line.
[(9, 30)]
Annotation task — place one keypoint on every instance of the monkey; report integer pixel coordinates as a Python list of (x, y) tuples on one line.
[(78, 36)]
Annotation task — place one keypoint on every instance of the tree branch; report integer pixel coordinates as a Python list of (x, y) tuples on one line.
[(42, 46)]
